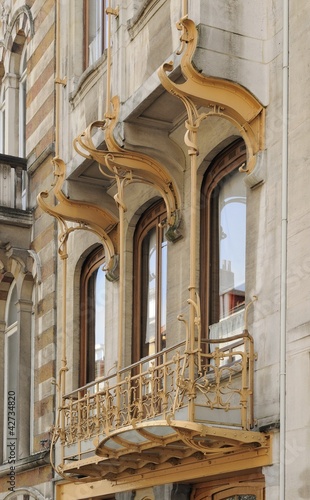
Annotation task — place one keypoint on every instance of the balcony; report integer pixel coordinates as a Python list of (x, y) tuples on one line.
[(13, 202), (166, 408), (13, 182)]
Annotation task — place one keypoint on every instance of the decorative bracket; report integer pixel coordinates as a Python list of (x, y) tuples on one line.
[(88, 217), (220, 97), (129, 166)]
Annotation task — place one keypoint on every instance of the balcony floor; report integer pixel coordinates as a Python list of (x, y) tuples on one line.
[(147, 446)]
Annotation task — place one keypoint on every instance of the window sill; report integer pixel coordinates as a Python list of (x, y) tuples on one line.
[(90, 71), (32, 461)]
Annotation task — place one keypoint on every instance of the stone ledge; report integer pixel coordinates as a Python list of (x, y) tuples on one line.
[(27, 463), (15, 217)]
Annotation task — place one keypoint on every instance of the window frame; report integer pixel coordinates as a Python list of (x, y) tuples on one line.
[(10, 330), (154, 216), (250, 483), (22, 108), (18, 321), (2, 119), (226, 162), (93, 262), (103, 39)]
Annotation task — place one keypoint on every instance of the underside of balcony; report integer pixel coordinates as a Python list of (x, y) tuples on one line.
[(149, 447), (165, 410)]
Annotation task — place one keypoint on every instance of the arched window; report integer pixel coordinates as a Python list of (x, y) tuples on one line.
[(22, 122), (93, 318), (95, 32), (11, 362), (24, 494), (150, 283), (236, 494), (223, 238), (17, 370), (245, 490), (2, 120), (22, 103)]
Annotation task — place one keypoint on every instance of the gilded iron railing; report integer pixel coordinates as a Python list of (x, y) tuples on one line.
[(159, 388)]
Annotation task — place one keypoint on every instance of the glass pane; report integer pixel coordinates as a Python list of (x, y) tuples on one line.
[(163, 310), (22, 105), (150, 257), (232, 227), (95, 28), (10, 394), (100, 291), (2, 128), (12, 312), (12, 362)]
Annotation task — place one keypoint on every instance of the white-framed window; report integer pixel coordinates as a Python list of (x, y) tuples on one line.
[(11, 363), (150, 283), (22, 95), (17, 373), (22, 104), (2, 120), (24, 494), (95, 29)]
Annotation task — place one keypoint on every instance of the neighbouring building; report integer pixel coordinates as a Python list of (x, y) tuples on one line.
[(154, 250)]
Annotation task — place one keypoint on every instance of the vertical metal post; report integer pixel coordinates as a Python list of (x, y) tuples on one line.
[(284, 220), (184, 8), (193, 152)]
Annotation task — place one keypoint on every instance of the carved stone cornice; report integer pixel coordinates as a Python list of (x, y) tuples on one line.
[(10, 256), (220, 97)]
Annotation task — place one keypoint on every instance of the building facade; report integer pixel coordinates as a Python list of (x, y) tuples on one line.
[(154, 250)]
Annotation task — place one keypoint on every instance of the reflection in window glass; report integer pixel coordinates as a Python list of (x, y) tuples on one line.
[(156, 282), (150, 258), (99, 321), (96, 30), (11, 364), (22, 105), (150, 292), (164, 284), (96, 324), (223, 242), (93, 318), (232, 225), (2, 121)]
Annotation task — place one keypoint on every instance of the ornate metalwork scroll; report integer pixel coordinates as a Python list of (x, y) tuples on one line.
[(85, 216), (221, 97), (129, 166)]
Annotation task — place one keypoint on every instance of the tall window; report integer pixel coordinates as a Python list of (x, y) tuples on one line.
[(11, 362), (150, 283), (2, 120), (22, 104), (17, 370), (93, 320), (95, 29), (223, 243)]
